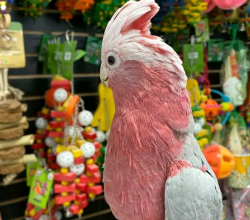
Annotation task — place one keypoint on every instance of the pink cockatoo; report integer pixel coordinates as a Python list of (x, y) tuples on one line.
[(154, 168)]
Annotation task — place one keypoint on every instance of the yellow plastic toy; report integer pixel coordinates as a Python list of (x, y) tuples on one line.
[(106, 109), (193, 89)]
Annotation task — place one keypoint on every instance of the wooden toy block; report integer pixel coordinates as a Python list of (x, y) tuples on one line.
[(81, 197), (55, 134), (95, 190), (61, 148), (51, 157), (56, 114), (38, 146), (97, 152), (202, 133), (80, 142), (74, 209), (79, 160), (58, 188), (75, 151), (94, 157), (53, 166), (38, 214), (61, 84), (92, 168), (97, 145), (40, 136), (69, 177), (81, 186), (62, 199), (39, 114), (42, 154), (55, 124), (54, 210), (96, 178), (89, 135), (30, 206)]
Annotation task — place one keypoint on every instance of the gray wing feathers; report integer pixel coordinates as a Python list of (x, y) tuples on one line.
[(192, 195)]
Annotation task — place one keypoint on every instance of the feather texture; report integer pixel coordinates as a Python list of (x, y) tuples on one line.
[(151, 144)]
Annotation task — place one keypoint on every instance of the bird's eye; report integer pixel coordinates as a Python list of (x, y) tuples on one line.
[(111, 60)]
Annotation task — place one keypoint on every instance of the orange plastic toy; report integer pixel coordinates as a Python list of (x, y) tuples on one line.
[(71, 108), (220, 159), (212, 111), (212, 108)]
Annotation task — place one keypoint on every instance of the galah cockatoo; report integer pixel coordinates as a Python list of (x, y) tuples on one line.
[(154, 168)]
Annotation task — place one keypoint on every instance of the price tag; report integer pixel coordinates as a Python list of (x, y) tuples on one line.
[(67, 56), (193, 55)]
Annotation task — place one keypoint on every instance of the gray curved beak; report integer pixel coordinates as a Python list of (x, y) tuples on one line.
[(104, 76)]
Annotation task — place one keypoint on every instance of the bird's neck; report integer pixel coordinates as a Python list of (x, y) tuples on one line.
[(149, 89)]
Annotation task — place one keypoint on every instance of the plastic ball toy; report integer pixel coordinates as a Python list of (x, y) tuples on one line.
[(88, 149), (226, 106), (220, 159), (43, 217), (49, 98), (85, 118), (50, 142), (41, 123), (100, 136), (65, 159), (78, 169), (197, 128), (201, 121), (72, 130), (58, 215), (60, 95)]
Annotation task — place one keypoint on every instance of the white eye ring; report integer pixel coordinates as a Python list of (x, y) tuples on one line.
[(112, 59)]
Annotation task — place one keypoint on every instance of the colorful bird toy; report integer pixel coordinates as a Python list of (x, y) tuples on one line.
[(220, 159), (34, 8), (102, 11), (68, 8)]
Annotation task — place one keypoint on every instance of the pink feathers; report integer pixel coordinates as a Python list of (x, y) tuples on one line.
[(152, 117), (132, 19), (147, 135), (142, 23)]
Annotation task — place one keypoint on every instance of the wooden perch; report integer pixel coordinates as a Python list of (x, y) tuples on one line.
[(23, 122), (28, 158), (22, 141)]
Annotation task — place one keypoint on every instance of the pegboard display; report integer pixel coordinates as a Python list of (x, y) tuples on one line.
[(32, 81), (13, 197)]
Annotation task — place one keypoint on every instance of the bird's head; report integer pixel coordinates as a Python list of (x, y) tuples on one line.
[(130, 52)]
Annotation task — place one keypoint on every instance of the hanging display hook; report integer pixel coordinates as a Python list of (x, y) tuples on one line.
[(67, 35)]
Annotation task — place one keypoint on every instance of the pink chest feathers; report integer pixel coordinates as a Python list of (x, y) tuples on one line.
[(137, 194), (133, 194)]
